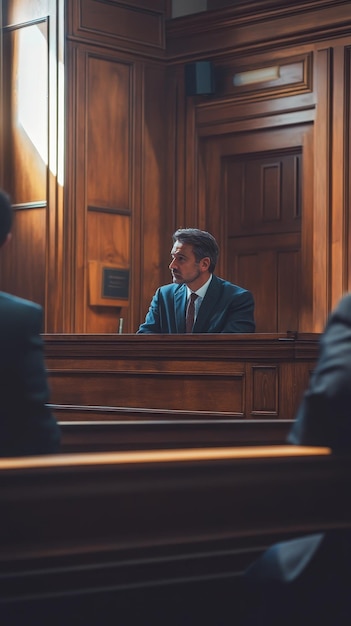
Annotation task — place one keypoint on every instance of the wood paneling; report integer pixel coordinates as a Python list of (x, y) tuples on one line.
[(26, 97), (25, 277), (121, 187), (108, 133), (307, 98), (124, 25), (257, 27), (153, 241), (230, 378), (340, 104), (142, 158), (260, 218), (32, 140), (26, 164), (108, 154), (262, 193), (104, 183)]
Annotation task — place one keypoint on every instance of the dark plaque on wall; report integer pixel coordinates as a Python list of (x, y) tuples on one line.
[(108, 284), (115, 283)]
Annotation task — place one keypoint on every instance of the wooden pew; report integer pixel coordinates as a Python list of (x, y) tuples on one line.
[(165, 391), (148, 535)]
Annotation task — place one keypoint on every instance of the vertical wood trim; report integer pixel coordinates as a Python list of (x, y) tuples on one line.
[(76, 197), (191, 170), (307, 241), (338, 240), (71, 191), (55, 243), (181, 161), (347, 132), (172, 162), (321, 204), (137, 204)]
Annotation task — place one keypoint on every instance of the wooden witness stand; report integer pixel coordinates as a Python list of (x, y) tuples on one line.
[(154, 391)]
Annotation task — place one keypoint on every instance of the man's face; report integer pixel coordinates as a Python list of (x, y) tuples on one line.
[(184, 267)]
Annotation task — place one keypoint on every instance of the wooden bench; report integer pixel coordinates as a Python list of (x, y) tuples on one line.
[(147, 535)]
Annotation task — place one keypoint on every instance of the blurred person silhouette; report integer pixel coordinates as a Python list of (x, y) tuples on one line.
[(27, 426), (307, 580)]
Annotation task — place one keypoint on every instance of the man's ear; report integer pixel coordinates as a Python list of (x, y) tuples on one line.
[(205, 263)]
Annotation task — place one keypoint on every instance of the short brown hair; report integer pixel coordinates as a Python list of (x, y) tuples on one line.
[(203, 243)]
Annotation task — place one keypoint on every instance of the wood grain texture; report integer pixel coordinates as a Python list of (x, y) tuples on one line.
[(109, 530), (124, 25), (142, 158), (231, 377)]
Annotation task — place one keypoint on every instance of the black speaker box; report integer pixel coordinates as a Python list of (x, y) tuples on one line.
[(199, 78)]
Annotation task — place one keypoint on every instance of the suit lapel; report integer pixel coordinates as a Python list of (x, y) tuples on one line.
[(208, 305), (179, 308)]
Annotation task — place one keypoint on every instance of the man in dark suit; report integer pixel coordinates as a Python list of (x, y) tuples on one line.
[(308, 580), (220, 306), (27, 426)]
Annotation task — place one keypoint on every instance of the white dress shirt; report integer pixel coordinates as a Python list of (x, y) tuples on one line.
[(200, 296)]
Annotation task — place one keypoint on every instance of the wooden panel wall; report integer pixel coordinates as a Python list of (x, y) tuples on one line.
[(282, 87), (31, 152), (142, 158), (114, 152), (116, 193)]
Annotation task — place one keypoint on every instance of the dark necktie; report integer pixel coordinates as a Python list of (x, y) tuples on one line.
[(190, 313)]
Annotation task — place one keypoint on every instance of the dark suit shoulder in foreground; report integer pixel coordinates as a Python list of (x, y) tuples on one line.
[(307, 580), (26, 424), (324, 417)]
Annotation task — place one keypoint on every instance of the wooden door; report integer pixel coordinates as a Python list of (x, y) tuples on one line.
[(256, 179)]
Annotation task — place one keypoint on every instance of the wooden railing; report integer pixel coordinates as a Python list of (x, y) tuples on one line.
[(137, 391), (82, 530)]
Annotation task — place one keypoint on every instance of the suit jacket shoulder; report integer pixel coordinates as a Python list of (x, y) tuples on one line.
[(324, 414), (26, 423)]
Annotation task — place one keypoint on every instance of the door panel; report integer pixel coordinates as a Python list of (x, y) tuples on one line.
[(259, 223)]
